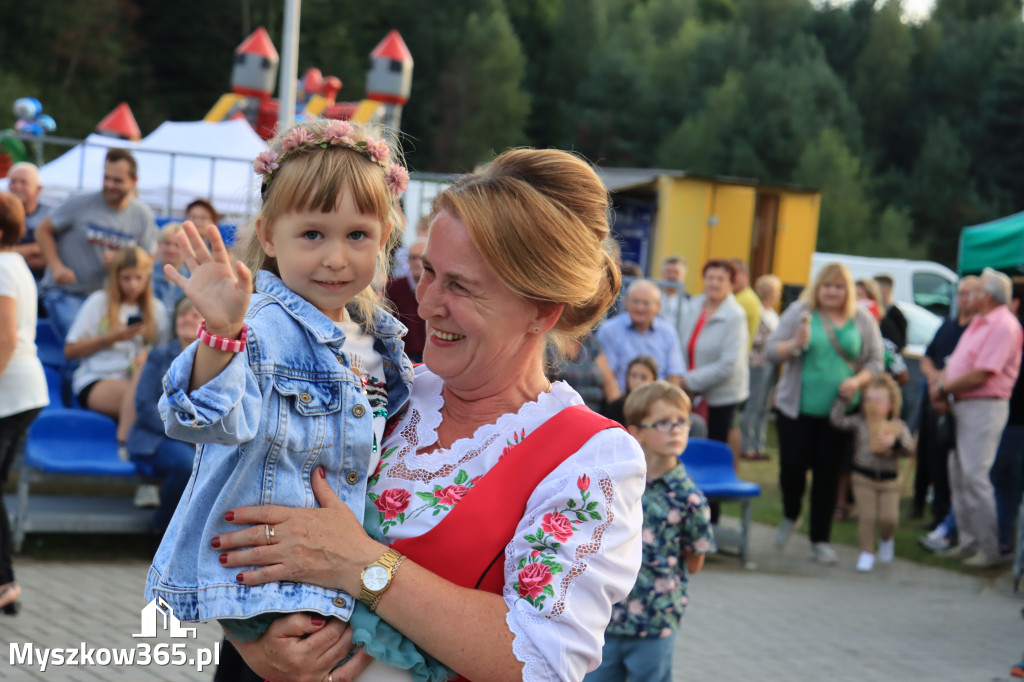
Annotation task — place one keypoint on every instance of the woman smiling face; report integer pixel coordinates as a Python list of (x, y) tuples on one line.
[(479, 332)]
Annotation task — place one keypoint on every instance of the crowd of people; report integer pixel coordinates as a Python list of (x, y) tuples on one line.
[(271, 382), (830, 371)]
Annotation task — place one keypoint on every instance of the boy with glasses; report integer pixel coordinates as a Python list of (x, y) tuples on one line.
[(640, 638)]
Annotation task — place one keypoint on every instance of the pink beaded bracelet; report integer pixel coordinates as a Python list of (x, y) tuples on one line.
[(219, 342)]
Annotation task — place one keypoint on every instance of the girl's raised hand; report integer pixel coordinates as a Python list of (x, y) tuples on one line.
[(219, 288)]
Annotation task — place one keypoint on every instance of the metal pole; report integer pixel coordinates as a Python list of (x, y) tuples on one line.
[(168, 210), (289, 63)]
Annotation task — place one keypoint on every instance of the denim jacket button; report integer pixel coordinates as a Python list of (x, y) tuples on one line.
[(305, 397), (352, 477), (358, 411), (339, 602)]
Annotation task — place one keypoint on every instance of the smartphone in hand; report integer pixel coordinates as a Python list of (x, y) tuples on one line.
[(134, 319)]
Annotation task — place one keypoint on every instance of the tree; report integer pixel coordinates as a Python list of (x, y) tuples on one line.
[(482, 108), (964, 11), (1000, 152), (757, 124), (940, 195), (579, 31), (844, 222), (881, 81)]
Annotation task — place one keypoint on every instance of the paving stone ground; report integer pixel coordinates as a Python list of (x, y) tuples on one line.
[(782, 619)]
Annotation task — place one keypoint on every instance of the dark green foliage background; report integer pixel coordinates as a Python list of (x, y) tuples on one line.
[(912, 130)]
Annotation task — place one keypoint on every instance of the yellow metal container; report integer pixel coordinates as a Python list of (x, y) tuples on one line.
[(773, 228)]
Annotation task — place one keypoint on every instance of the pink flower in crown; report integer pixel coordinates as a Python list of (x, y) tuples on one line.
[(378, 150), (265, 163), (295, 139), (338, 131), (397, 179)]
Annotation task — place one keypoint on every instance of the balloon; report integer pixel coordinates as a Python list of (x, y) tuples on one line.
[(28, 127), (27, 107), (45, 120)]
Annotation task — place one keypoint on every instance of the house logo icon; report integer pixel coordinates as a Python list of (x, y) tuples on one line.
[(151, 614)]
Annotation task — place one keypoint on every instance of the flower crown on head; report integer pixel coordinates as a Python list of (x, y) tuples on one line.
[(335, 134)]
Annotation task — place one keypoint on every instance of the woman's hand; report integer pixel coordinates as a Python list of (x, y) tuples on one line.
[(326, 547), (848, 388), (219, 289), (62, 274), (304, 648), (803, 335)]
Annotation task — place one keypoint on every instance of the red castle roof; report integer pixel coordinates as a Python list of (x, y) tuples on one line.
[(120, 122), (258, 43), (392, 47)]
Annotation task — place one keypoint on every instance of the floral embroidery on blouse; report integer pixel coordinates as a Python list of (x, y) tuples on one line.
[(538, 569), (393, 503)]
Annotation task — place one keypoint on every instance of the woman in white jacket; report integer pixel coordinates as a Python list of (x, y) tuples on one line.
[(713, 332)]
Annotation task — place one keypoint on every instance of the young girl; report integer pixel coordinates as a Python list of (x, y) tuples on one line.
[(641, 370), (110, 334), (879, 437), (302, 375)]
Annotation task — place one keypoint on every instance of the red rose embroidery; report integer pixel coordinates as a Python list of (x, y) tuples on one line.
[(393, 502), (451, 494), (558, 525), (583, 482), (532, 580)]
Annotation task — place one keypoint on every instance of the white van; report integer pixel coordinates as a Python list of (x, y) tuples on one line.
[(921, 282), (923, 290)]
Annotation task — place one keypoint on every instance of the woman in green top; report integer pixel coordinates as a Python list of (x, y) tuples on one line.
[(831, 348)]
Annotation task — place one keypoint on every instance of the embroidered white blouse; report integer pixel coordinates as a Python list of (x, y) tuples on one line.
[(575, 552)]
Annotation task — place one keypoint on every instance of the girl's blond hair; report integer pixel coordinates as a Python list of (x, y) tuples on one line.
[(316, 180), (889, 384), (539, 218), (132, 257), (828, 274)]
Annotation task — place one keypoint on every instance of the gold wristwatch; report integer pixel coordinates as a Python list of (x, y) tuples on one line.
[(377, 577)]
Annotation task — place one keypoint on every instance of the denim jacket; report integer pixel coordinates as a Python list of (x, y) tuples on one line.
[(286, 405)]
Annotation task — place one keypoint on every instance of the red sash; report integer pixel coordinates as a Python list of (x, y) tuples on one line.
[(468, 546)]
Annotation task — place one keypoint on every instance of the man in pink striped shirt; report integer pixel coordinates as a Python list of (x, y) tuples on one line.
[(979, 378)]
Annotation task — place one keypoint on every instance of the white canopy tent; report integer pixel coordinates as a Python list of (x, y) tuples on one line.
[(178, 162)]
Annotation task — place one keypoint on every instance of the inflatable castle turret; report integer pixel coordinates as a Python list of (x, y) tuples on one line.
[(389, 79)]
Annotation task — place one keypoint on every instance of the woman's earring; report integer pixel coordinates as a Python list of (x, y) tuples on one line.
[(536, 330)]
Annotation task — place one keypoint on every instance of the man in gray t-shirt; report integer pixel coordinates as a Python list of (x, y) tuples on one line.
[(80, 236)]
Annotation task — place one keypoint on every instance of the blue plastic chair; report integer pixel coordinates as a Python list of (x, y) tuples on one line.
[(50, 349), (73, 442), (710, 464), (53, 387)]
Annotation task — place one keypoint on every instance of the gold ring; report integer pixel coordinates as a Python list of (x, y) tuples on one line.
[(268, 530)]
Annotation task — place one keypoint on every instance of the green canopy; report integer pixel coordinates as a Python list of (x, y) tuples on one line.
[(998, 244)]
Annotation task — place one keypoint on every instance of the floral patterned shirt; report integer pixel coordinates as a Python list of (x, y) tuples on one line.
[(676, 519), (576, 549)]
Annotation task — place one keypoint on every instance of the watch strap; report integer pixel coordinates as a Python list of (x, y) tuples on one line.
[(390, 560)]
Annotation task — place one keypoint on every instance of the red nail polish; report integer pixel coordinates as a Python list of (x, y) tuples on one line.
[(215, 543), (322, 472), (317, 621), (229, 516), (224, 558), (239, 578)]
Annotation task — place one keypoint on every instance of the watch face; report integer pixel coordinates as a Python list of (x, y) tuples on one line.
[(375, 578)]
